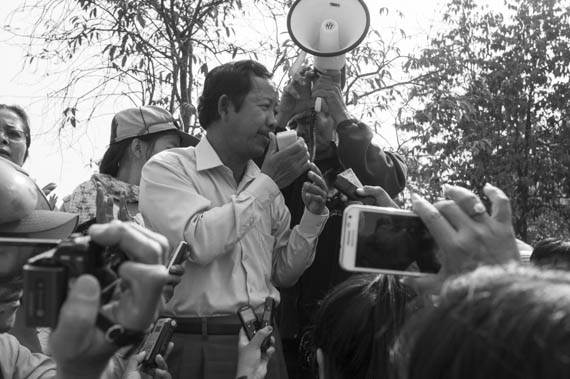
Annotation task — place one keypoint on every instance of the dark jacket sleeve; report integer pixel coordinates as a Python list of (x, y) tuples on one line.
[(372, 165)]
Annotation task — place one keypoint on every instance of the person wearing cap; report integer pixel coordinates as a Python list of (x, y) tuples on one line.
[(136, 135), (78, 345), (337, 142), (232, 214)]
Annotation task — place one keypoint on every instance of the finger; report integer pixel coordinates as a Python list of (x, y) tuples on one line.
[(176, 270), (160, 362), (242, 340), (291, 90), (168, 350), (143, 288), (466, 200), (316, 169), (501, 205), (141, 246), (455, 215), (436, 223), (381, 196), (161, 374), (314, 191), (134, 361), (173, 280), (109, 203), (318, 180), (162, 240), (77, 315), (272, 149), (260, 336)]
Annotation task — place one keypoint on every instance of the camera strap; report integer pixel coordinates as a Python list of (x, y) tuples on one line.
[(118, 334)]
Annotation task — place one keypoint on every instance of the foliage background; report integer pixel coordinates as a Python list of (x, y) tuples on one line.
[(481, 96)]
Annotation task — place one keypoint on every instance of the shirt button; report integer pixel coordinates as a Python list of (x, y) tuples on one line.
[(245, 257)]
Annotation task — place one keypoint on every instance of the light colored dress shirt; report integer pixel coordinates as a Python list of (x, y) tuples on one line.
[(17, 362), (242, 244)]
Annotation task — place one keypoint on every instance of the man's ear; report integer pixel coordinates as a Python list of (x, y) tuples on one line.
[(224, 104), (321, 363)]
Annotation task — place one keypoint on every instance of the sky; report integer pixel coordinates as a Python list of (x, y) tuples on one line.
[(66, 157)]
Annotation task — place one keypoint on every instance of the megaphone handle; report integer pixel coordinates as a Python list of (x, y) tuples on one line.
[(318, 104)]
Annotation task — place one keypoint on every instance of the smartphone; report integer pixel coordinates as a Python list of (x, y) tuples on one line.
[(249, 321), (386, 240), (179, 255), (349, 189), (156, 342), (267, 320)]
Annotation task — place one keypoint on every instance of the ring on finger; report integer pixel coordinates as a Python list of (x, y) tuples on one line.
[(478, 209)]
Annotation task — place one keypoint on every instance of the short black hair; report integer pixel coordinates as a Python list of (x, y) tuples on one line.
[(496, 322), (552, 252), (232, 79)]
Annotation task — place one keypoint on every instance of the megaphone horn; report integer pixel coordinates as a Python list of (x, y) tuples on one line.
[(328, 28)]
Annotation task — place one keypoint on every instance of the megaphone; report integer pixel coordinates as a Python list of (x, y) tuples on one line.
[(328, 29)]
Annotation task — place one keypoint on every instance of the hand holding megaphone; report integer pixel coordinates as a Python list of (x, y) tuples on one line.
[(296, 95), (328, 96)]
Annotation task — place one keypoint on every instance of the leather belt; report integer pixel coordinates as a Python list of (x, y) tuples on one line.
[(222, 325)]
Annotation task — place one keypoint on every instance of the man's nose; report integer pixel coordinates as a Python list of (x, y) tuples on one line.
[(272, 121)]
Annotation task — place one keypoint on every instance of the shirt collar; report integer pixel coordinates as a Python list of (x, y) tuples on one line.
[(207, 158)]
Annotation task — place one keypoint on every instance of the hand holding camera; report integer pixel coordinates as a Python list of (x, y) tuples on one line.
[(79, 346)]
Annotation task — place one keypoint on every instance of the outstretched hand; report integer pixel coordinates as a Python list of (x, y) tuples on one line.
[(466, 235)]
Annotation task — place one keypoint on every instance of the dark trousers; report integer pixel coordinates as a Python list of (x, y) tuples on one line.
[(214, 356)]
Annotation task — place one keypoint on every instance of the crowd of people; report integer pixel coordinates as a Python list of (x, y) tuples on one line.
[(261, 221)]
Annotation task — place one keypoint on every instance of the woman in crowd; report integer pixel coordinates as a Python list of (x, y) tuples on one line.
[(136, 135), (14, 134)]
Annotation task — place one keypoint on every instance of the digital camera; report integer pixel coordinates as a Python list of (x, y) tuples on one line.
[(47, 275)]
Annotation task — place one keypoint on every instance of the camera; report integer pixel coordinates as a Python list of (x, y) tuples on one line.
[(47, 275)]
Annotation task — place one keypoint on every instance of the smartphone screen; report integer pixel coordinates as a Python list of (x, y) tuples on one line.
[(385, 239)]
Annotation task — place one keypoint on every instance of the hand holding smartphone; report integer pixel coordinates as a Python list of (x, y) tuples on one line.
[(386, 240), (179, 255), (251, 324), (156, 342), (267, 320)]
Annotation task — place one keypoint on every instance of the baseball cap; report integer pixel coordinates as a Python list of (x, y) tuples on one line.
[(149, 119), (36, 221)]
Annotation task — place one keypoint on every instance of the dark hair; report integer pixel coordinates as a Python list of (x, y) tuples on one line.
[(552, 252), (232, 79), (21, 113), (356, 325), (496, 322), (116, 151)]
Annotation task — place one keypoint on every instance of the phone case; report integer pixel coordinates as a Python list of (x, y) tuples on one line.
[(157, 341), (179, 254), (249, 321), (349, 238)]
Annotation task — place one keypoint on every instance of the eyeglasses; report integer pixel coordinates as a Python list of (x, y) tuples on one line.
[(13, 134)]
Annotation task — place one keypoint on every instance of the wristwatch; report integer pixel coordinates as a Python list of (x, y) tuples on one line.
[(118, 334)]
